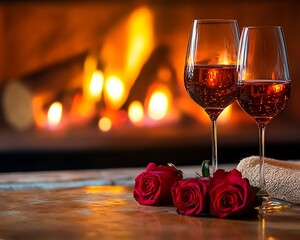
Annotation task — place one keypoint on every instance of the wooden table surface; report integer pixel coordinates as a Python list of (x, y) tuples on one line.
[(110, 212)]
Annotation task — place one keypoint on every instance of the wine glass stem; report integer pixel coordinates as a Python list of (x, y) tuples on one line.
[(214, 158), (262, 182)]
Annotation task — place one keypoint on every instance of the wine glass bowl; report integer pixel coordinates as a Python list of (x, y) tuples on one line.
[(263, 99), (264, 86), (219, 90), (210, 76)]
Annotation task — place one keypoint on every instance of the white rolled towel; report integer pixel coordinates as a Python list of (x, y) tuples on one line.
[(282, 177)]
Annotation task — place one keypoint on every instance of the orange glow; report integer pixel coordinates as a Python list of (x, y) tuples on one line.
[(106, 189), (114, 92), (90, 63), (55, 114), (39, 115), (164, 74), (112, 191), (81, 110), (212, 78), (136, 112), (223, 59), (225, 115), (104, 124), (159, 103)]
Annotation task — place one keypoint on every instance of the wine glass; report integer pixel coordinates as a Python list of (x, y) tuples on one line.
[(210, 75), (264, 86)]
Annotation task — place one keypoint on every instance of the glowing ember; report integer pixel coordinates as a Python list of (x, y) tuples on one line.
[(136, 112), (55, 114), (104, 124)]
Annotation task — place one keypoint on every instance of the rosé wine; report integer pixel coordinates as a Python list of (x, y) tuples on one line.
[(263, 99), (213, 87)]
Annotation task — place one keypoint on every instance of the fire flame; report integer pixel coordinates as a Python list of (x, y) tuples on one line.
[(83, 105), (159, 103), (90, 72), (223, 59), (140, 41), (136, 112), (114, 92), (125, 58), (96, 85), (55, 114), (158, 106)]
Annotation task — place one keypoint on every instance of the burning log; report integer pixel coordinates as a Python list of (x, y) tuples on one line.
[(16, 104), (157, 70), (153, 94), (21, 97)]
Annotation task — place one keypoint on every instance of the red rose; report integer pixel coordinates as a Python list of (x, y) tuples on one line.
[(230, 195), (153, 186), (191, 196)]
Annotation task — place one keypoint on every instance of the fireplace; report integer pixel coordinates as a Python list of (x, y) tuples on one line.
[(80, 82)]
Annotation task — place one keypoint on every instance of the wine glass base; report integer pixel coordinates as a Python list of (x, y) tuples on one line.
[(270, 204)]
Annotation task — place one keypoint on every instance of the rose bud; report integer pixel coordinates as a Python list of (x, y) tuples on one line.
[(153, 186)]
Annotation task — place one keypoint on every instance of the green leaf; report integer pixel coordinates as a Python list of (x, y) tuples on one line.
[(255, 189), (205, 168)]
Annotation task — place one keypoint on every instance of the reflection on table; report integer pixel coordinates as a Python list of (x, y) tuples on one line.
[(110, 212)]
